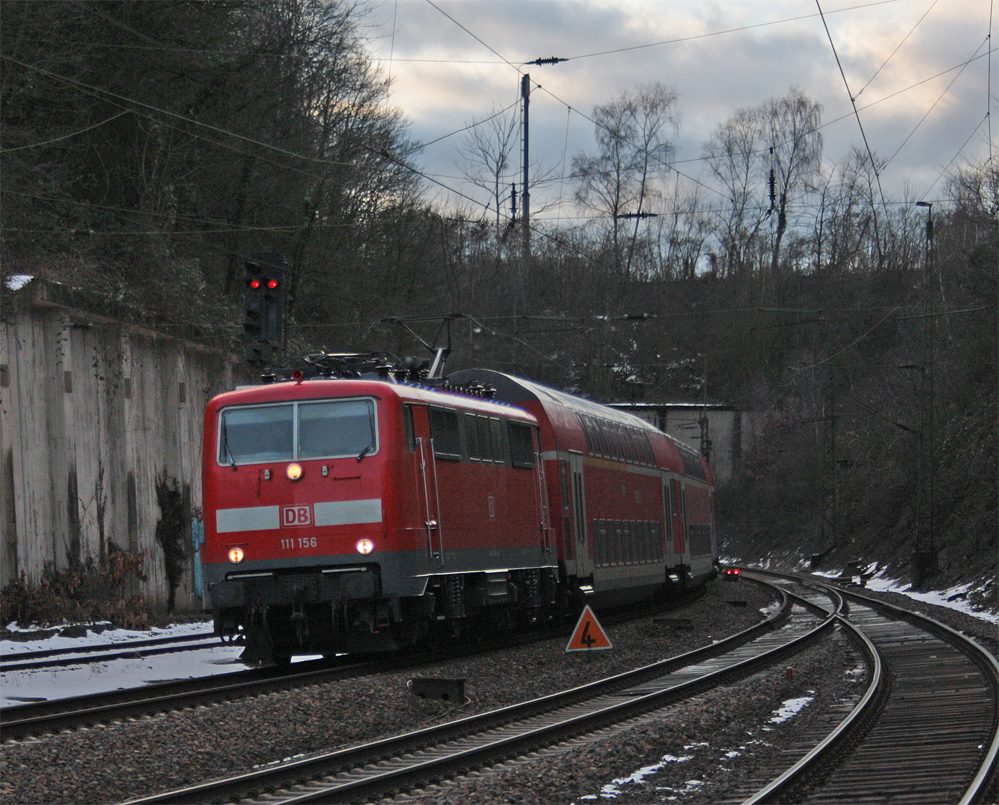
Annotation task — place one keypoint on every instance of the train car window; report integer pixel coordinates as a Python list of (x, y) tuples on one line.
[(599, 447), (649, 453), (598, 440), (630, 453), (444, 432), (637, 437), (692, 463), (407, 419), (603, 446), (610, 449), (472, 437), (587, 432), (700, 539), (625, 439), (623, 453), (252, 434), (485, 441), (620, 446), (642, 450), (521, 445), (496, 440), (336, 428), (668, 506)]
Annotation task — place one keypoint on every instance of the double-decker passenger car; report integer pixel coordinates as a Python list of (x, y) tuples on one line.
[(633, 509), (365, 514)]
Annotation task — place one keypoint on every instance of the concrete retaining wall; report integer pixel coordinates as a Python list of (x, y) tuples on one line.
[(100, 431)]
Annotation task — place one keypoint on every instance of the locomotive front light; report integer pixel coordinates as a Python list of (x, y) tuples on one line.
[(235, 555), (365, 546), (294, 472)]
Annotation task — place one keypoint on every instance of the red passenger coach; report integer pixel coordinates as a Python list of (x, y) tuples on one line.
[(633, 510), (363, 514)]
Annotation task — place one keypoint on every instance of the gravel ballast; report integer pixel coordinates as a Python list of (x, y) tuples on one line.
[(711, 743)]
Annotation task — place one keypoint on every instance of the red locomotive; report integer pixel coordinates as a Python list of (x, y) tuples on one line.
[(367, 514)]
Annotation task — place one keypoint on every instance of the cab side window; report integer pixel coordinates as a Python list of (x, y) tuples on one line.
[(444, 431)]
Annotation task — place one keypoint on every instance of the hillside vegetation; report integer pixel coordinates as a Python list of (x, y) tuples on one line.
[(149, 148)]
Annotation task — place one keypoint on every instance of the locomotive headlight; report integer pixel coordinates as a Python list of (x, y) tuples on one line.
[(294, 472), (365, 546), (235, 555)]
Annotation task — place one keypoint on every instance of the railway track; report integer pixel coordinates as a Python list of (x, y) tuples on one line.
[(50, 716), (41, 718), (409, 761), (53, 658), (927, 731)]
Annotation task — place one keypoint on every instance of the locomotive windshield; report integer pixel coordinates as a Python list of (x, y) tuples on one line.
[(253, 434)]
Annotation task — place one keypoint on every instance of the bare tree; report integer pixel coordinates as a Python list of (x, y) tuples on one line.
[(768, 159), (680, 232), (790, 127), (487, 151), (732, 153), (633, 159)]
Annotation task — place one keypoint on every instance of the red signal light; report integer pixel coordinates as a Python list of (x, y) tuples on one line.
[(272, 284), (254, 284)]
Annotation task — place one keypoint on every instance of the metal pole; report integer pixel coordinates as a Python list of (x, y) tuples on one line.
[(925, 559), (525, 94)]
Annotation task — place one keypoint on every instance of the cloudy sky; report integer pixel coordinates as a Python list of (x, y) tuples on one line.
[(919, 70)]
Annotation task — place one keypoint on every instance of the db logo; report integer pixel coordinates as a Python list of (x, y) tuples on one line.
[(296, 515)]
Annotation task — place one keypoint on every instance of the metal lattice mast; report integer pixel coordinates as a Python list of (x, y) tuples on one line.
[(925, 555), (830, 486)]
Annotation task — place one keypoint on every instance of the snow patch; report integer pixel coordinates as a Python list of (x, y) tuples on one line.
[(789, 709), (63, 682)]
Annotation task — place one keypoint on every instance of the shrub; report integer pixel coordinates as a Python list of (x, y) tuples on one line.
[(84, 593)]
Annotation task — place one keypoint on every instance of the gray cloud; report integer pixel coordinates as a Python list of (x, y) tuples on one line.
[(444, 78)]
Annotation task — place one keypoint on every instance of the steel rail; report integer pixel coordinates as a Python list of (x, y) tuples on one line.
[(40, 718), (849, 726), (376, 767), (36, 718), (857, 726), (49, 658), (987, 770)]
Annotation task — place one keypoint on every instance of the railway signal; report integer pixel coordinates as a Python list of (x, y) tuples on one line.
[(263, 307)]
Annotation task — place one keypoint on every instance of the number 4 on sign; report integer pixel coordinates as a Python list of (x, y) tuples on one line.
[(588, 635)]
